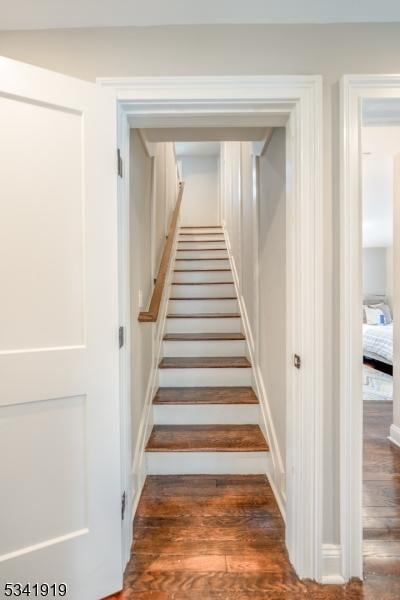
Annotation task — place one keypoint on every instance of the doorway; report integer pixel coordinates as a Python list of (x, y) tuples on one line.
[(368, 351), (293, 102)]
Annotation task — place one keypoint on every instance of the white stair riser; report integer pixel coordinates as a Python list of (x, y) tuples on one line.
[(203, 254), (203, 325), (205, 348), (201, 245), (203, 306), (213, 290), (198, 276), (205, 377), (206, 414), (202, 238), (201, 230), (211, 463), (202, 264)]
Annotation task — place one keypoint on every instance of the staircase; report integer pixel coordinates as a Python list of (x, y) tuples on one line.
[(206, 415)]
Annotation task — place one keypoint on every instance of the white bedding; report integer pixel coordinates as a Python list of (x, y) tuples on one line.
[(378, 342)]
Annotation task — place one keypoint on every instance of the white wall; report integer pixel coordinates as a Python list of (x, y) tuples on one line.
[(330, 50), (153, 192), (272, 280), (389, 275), (165, 181), (200, 204), (374, 271), (256, 226), (140, 273), (249, 245)]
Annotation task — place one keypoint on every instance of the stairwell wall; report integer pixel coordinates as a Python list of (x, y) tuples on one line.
[(253, 203), (200, 205), (153, 193)]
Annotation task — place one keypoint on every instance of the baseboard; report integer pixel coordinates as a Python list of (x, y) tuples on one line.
[(139, 467), (279, 497), (332, 564), (395, 434), (277, 475), (139, 472)]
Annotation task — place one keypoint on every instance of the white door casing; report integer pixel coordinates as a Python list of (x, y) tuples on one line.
[(59, 407), (354, 90), (266, 101)]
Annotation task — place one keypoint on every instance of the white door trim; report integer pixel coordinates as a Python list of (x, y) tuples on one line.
[(354, 88), (210, 101)]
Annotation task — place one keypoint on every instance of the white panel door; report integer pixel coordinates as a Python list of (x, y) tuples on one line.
[(60, 515)]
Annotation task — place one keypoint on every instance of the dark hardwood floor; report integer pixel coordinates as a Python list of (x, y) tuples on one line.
[(381, 496), (222, 537)]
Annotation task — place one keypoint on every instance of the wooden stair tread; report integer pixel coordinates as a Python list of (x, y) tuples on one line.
[(201, 250), (205, 362), (218, 258), (205, 395), (201, 227), (200, 270), (200, 233), (206, 298), (206, 336), (206, 438), (201, 242), (203, 283), (204, 316)]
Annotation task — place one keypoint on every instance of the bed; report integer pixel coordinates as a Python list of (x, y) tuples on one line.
[(378, 340)]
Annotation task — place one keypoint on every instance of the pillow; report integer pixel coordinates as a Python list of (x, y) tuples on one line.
[(385, 308), (375, 316)]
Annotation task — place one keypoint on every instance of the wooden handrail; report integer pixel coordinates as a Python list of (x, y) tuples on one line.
[(151, 315)]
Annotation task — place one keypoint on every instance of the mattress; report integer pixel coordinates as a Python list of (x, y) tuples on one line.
[(378, 342)]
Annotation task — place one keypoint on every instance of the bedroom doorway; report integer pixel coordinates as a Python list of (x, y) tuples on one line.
[(380, 144), (369, 327)]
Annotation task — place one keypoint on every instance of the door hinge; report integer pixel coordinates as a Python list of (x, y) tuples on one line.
[(123, 505), (119, 163), (121, 336), (297, 361)]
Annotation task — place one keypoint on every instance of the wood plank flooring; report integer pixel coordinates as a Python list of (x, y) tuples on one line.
[(204, 537), (381, 493), (206, 438)]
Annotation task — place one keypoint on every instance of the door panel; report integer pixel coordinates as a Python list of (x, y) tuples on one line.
[(59, 407), (45, 157)]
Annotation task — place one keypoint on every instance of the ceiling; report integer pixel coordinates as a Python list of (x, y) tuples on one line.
[(50, 14), (204, 134), (379, 146), (197, 149), (204, 141)]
